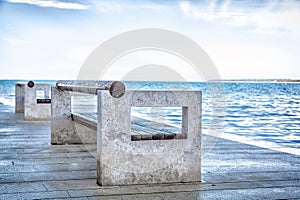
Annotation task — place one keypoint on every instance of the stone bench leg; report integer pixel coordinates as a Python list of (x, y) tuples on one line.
[(34, 110), (121, 161), (62, 126), (20, 94), (63, 129)]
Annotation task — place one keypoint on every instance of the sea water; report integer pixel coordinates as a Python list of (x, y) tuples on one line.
[(260, 111)]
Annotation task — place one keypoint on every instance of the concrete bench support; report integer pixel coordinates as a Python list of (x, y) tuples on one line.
[(121, 161), (64, 130), (19, 94), (33, 101), (33, 110), (73, 128)]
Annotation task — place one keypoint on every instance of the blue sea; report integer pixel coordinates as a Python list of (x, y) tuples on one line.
[(259, 111)]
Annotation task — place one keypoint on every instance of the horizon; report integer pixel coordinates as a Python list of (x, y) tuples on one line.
[(51, 40), (215, 80)]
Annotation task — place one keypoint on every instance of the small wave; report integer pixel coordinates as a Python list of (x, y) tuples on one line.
[(6, 101)]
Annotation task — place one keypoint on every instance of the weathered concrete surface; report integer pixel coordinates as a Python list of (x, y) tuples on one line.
[(64, 130), (34, 110), (19, 97), (122, 161), (31, 168), (86, 134), (62, 126), (86, 127)]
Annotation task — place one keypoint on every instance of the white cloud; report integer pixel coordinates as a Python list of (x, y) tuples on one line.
[(107, 6), (264, 31), (195, 12), (276, 17), (16, 40), (150, 6), (52, 3), (118, 6)]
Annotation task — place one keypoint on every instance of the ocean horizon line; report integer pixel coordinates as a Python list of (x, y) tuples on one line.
[(283, 80)]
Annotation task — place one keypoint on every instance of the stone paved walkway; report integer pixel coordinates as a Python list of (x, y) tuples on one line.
[(31, 168)]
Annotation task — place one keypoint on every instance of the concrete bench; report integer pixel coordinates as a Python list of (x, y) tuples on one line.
[(34, 100), (127, 151)]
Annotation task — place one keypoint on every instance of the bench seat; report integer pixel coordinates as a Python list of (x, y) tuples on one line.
[(141, 129)]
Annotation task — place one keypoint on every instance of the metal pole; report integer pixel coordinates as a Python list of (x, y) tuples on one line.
[(116, 88)]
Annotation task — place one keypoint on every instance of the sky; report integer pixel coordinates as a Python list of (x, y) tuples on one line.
[(51, 39)]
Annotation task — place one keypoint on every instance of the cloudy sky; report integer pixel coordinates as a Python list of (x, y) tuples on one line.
[(51, 39)]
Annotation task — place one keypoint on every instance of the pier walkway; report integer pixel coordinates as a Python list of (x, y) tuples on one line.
[(32, 168)]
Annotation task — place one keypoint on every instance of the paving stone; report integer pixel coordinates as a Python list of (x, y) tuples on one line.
[(272, 193), (35, 195), (71, 184), (22, 187), (41, 176), (157, 196), (107, 191)]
